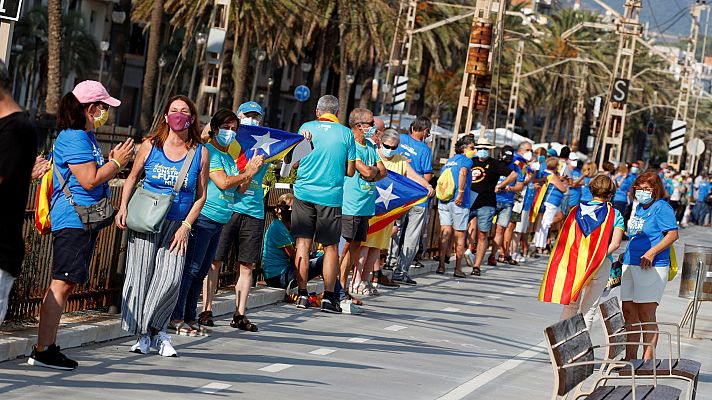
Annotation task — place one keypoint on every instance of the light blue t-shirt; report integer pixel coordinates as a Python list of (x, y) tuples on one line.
[(161, 175), (252, 201), (456, 163), (703, 190), (553, 195), (320, 176), (419, 156), (624, 187), (73, 147), (218, 202), (575, 192), (586, 194), (274, 259), (360, 195), (646, 229), (618, 223)]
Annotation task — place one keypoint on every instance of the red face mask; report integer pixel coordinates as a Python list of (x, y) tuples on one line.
[(179, 121)]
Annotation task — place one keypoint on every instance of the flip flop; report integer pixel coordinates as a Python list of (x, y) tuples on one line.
[(460, 275), (440, 271), (475, 271)]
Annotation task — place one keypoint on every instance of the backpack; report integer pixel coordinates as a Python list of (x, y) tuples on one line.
[(43, 201), (445, 189)]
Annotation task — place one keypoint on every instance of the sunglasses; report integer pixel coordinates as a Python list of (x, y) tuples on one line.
[(369, 123), (389, 147)]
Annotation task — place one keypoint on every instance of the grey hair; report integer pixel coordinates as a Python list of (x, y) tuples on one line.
[(359, 115), (328, 104), (390, 133), (522, 144)]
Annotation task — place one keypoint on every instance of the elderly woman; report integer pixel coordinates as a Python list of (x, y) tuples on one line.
[(370, 253)]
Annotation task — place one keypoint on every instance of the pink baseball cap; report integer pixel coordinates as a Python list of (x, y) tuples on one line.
[(93, 92)]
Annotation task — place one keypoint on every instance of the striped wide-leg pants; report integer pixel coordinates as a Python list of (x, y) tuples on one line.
[(152, 284)]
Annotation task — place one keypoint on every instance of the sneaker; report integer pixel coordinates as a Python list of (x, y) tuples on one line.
[(384, 282), (303, 302), (51, 357), (348, 307), (405, 280), (417, 264), (329, 307), (388, 267), (142, 345), (162, 343), (469, 258)]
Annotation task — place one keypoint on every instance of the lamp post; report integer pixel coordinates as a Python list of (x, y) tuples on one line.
[(349, 81), (260, 55), (270, 82), (104, 46), (157, 98), (16, 51), (200, 39)]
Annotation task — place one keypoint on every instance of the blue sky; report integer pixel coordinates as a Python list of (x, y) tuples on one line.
[(662, 15)]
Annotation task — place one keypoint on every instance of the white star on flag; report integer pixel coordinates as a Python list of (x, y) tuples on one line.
[(263, 142), (589, 210), (386, 195)]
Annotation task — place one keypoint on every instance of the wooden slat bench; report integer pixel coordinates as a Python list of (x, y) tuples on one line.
[(571, 353), (675, 368)]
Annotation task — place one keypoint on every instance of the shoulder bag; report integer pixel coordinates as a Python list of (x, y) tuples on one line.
[(147, 210), (94, 217)]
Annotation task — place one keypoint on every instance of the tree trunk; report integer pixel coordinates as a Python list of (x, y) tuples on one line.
[(54, 48), (240, 74), (117, 55), (549, 109), (227, 83), (343, 64), (424, 75), (317, 78), (149, 76)]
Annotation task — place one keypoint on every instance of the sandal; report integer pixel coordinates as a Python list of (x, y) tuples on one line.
[(355, 300), (460, 274), (202, 331), (509, 260), (475, 271), (440, 271), (241, 322), (182, 329), (372, 290), (206, 318)]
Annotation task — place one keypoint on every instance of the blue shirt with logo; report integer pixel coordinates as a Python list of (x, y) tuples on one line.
[(646, 229), (419, 156), (703, 190), (218, 203), (508, 197), (455, 164), (252, 201), (274, 259), (575, 193), (624, 187), (73, 147), (320, 176), (360, 195)]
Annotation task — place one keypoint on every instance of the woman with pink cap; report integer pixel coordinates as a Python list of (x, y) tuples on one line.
[(81, 178)]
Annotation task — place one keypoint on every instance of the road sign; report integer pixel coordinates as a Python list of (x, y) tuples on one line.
[(10, 9), (399, 93), (620, 91), (597, 107), (677, 137), (696, 146), (302, 93)]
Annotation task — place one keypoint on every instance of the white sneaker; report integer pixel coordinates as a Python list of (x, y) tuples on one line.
[(469, 258), (348, 307), (142, 345), (162, 343)]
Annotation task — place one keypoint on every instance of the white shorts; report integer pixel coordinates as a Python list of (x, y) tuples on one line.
[(550, 212), (643, 285), (523, 225), (6, 281)]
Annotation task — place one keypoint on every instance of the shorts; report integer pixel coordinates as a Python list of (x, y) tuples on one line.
[(72, 250), (247, 232), (453, 215), (484, 215), (643, 285), (317, 222), (354, 227), (504, 213), (550, 212), (523, 224)]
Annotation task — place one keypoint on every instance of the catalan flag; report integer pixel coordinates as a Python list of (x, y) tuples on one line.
[(579, 251), (396, 195), (539, 200), (43, 202), (274, 144)]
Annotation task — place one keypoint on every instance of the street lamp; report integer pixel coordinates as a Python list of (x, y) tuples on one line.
[(156, 101), (104, 46), (260, 55), (270, 82), (200, 39)]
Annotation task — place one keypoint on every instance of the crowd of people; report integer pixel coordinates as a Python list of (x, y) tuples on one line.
[(186, 205)]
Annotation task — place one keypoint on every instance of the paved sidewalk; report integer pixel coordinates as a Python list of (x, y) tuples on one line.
[(473, 338)]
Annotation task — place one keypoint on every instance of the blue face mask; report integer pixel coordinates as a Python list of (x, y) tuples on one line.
[(387, 152), (644, 196), (482, 154), (370, 132), (225, 137)]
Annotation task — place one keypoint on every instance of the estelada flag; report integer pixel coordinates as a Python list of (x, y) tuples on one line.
[(579, 251), (274, 144), (396, 195), (43, 201), (539, 199)]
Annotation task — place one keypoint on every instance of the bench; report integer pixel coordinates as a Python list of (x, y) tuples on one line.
[(671, 368), (572, 359)]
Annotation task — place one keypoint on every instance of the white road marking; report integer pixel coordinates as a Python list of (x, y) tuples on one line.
[(422, 319), (488, 376), (475, 302), (509, 292), (211, 388), (395, 328), (494, 297), (322, 352), (276, 367), (527, 286), (359, 340), (450, 309)]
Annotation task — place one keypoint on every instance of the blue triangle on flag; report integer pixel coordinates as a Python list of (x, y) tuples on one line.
[(590, 216), (268, 142), (395, 190)]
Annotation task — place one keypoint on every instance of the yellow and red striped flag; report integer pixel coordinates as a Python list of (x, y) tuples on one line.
[(579, 251), (539, 200), (396, 195)]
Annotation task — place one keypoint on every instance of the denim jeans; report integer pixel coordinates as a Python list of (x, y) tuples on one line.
[(202, 245)]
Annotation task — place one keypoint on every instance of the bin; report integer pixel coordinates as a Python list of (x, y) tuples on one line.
[(689, 273)]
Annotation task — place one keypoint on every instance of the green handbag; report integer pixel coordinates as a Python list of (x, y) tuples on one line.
[(147, 210)]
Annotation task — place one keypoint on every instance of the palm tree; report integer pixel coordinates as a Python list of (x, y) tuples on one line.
[(119, 51), (54, 29), (154, 42)]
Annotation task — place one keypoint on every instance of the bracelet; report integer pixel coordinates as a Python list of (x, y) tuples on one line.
[(116, 162), (187, 225)]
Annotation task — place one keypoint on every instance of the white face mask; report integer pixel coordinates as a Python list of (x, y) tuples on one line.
[(535, 165), (249, 121), (527, 156), (428, 139)]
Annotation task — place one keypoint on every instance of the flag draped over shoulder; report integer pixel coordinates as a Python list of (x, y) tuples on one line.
[(396, 195), (579, 251), (274, 144), (43, 201), (539, 200)]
